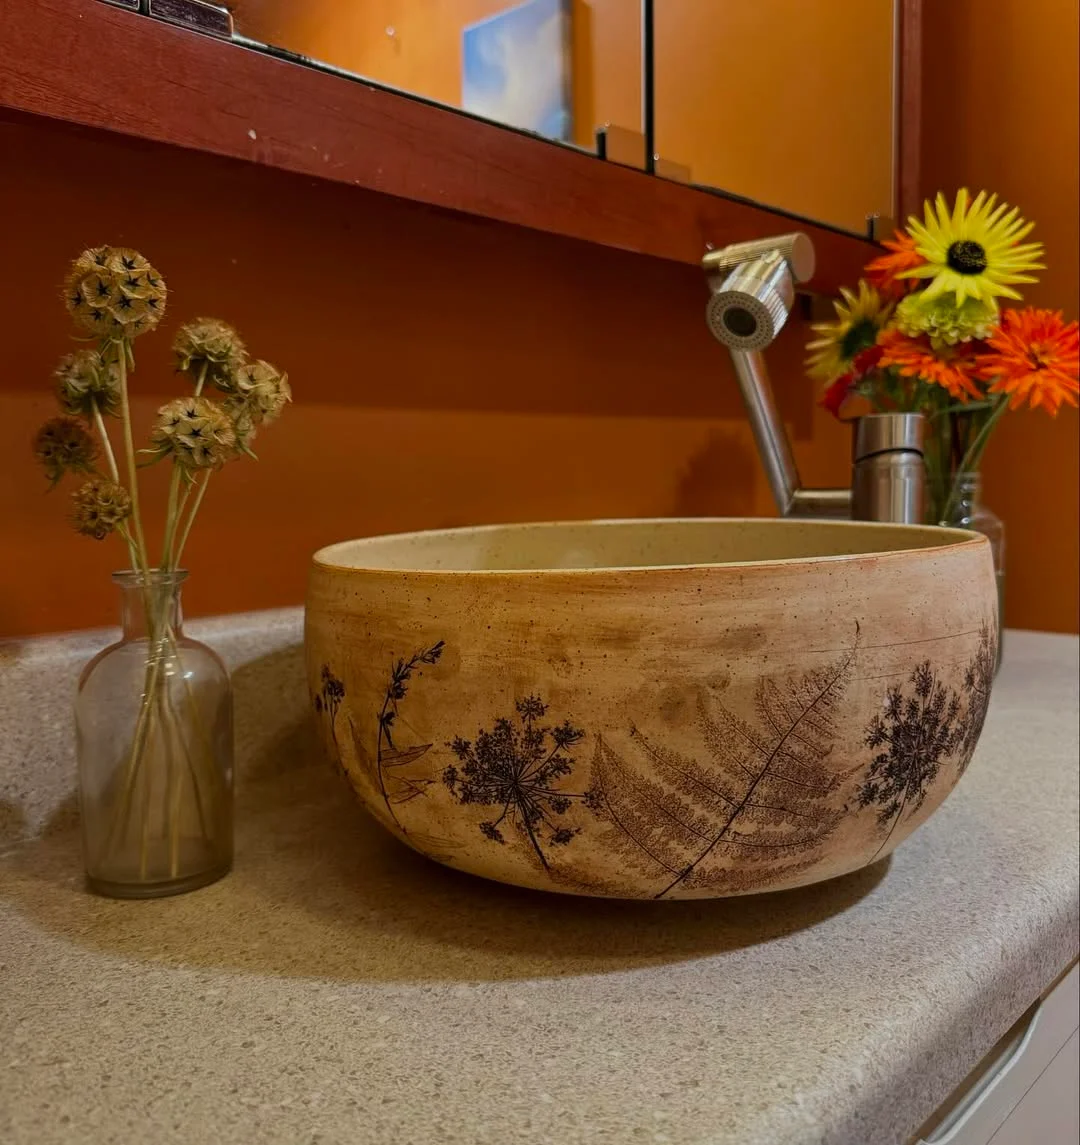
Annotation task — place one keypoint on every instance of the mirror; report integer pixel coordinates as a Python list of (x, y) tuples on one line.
[(555, 68), (788, 104)]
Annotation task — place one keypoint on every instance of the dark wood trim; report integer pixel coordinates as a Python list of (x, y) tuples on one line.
[(88, 63), (909, 99)]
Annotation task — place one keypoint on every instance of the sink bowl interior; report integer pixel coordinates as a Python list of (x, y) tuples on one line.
[(659, 543)]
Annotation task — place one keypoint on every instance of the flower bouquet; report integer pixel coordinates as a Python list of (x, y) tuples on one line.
[(154, 711), (925, 332)]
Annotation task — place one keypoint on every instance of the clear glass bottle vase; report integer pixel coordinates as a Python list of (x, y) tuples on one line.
[(153, 719), (965, 510)]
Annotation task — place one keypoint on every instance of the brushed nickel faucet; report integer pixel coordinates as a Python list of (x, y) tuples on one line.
[(752, 288)]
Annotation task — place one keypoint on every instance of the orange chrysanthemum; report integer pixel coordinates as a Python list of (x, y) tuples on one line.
[(951, 367), (1034, 356), (882, 272)]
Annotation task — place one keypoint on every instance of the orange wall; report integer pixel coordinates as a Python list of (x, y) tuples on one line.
[(517, 376), (1001, 111), (787, 103), (446, 371)]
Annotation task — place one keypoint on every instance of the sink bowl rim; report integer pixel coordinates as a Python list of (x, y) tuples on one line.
[(948, 540)]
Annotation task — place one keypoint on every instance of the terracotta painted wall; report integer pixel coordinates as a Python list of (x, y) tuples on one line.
[(447, 371), (787, 103), (518, 377), (1002, 98)]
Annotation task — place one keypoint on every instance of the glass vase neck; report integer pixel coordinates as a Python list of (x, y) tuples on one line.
[(149, 602), (965, 500), (969, 484)]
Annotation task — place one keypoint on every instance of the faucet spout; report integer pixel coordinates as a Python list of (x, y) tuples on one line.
[(751, 290), (792, 500)]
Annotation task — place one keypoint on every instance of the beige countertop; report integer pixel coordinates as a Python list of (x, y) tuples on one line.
[(338, 988)]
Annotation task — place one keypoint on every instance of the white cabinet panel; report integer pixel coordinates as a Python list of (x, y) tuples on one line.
[(1049, 1112), (990, 1100)]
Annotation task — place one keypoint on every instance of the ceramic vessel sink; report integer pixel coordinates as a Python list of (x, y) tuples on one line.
[(655, 708)]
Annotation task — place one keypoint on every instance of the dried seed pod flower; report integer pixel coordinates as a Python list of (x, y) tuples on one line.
[(98, 507), (85, 380), (209, 345), (113, 292), (196, 432), (64, 445), (263, 389), (243, 423)]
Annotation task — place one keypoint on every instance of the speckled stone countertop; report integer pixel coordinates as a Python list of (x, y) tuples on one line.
[(338, 988)]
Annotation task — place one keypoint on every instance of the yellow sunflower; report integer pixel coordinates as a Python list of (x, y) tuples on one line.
[(860, 317), (976, 251)]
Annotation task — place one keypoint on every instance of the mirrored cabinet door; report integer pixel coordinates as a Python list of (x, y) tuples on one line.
[(558, 68), (786, 102)]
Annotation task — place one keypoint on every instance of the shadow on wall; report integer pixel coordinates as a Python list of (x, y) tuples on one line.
[(717, 480)]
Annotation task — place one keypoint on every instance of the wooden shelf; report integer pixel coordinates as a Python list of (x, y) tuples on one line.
[(88, 63)]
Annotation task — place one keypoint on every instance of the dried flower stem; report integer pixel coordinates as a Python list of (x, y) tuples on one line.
[(172, 515), (172, 784), (159, 702), (206, 752), (160, 632), (185, 497), (191, 516), (129, 540), (153, 667), (138, 743), (106, 444), (114, 473), (171, 722), (144, 834), (129, 450)]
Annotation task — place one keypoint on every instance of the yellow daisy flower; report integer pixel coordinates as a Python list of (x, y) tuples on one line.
[(859, 318), (974, 252)]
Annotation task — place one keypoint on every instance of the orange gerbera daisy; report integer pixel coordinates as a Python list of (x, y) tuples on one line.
[(881, 272), (951, 367), (1034, 356)]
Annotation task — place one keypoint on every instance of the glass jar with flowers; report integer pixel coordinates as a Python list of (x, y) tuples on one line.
[(925, 331), (153, 714)]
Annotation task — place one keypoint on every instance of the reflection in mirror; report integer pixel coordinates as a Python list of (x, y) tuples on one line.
[(559, 68), (789, 104)]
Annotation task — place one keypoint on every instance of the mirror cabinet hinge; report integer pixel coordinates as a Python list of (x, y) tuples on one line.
[(198, 15)]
